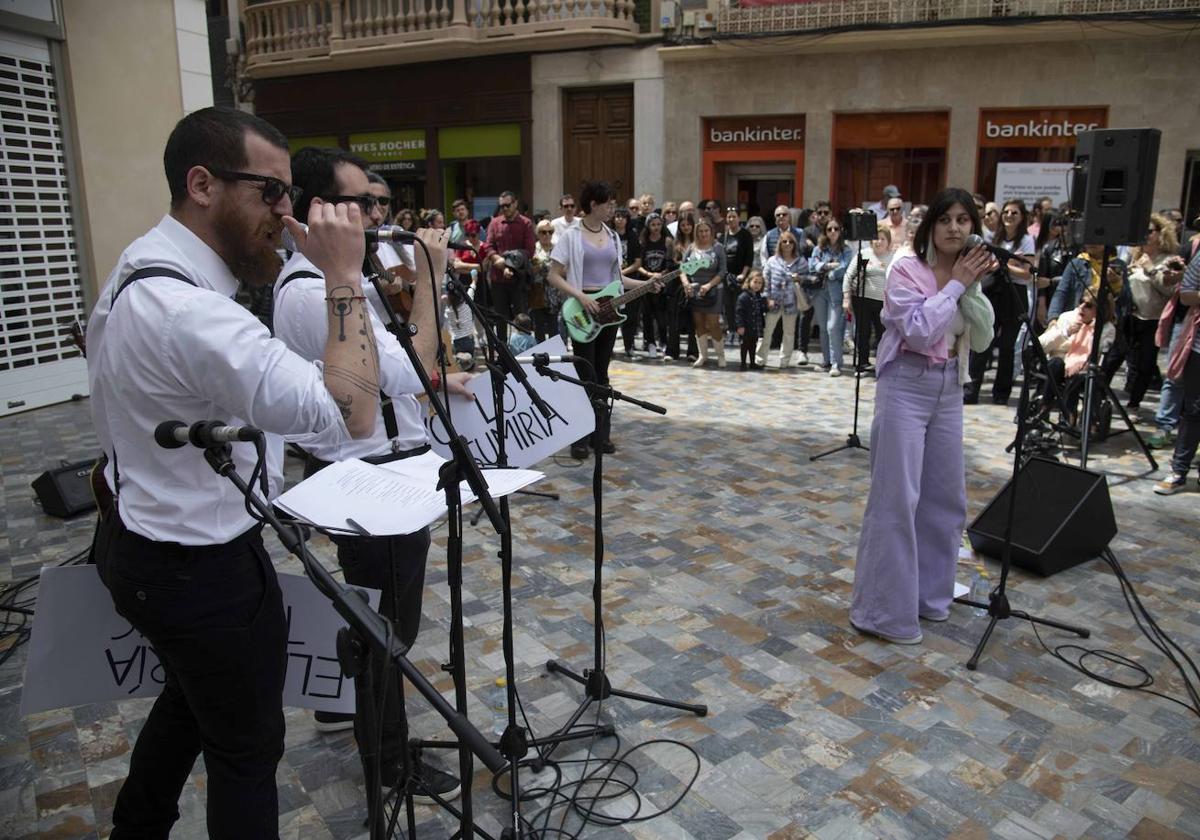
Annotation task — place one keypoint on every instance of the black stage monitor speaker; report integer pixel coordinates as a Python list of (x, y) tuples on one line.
[(1064, 517), (860, 225), (1113, 185), (67, 490)]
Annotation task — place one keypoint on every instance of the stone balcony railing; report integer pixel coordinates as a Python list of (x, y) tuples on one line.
[(284, 37), (764, 17)]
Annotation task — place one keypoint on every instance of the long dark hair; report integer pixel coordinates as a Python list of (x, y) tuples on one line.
[(1022, 226), (1048, 220), (941, 203)]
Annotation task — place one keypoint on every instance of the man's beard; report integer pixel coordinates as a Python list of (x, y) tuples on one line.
[(249, 251)]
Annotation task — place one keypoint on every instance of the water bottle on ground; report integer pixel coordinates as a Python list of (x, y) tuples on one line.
[(981, 586), (499, 704)]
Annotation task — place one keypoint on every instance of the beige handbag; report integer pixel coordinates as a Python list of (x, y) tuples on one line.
[(802, 302)]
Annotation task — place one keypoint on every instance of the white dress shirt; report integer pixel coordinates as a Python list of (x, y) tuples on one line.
[(301, 322), (168, 350)]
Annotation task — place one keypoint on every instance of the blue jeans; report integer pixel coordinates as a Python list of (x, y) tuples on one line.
[(1170, 398), (827, 305)]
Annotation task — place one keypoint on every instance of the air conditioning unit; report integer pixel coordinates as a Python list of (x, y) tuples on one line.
[(689, 19), (668, 14), (705, 20)]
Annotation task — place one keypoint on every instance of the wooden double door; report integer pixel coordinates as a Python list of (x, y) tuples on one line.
[(598, 139)]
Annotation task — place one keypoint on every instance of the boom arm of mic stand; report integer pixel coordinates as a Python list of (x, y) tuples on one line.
[(504, 356), (597, 390), (467, 467), (368, 623)]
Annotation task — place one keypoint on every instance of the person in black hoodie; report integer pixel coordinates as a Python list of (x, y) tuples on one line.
[(750, 317), (739, 259)]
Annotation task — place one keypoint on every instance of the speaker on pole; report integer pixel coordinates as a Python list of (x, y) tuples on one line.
[(1064, 517), (67, 490), (1112, 188)]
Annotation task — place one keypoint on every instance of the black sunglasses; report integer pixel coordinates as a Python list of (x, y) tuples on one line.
[(365, 202), (273, 190), (505, 205), (564, 206)]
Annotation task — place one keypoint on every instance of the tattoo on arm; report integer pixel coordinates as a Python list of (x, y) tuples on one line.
[(341, 303), (344, 407), (359, 381)]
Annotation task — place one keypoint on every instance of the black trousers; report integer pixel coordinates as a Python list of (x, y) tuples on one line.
[(545, 323), (508, 301), (214, 615), (597, 353), (1143, 358), (395, 566), (654, 320), (679, 323), (868, 328), (1004, 342), (804, 333), (629, 327), (1189, 421)]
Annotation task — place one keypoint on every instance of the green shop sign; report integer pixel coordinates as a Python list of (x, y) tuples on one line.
[(392, 151)]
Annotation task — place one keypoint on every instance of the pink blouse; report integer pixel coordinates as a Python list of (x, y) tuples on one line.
[(916, 316)]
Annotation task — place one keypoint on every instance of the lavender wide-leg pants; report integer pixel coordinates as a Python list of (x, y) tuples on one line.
[(917, 506)]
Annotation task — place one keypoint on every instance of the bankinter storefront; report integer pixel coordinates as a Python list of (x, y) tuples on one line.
[(755, 162), (1030, 135)]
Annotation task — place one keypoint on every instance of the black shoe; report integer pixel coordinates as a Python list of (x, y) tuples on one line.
[(743, 366), (755, 366), (333, 721), (427, 781), (609, 448), (580, 451)]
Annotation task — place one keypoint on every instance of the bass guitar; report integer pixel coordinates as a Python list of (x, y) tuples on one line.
[(584, 327)]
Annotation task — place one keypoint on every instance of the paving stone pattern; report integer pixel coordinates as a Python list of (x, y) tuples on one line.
[(727, 579)]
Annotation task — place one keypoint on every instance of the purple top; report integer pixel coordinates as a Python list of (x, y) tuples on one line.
[(916, 316), (597, 264)]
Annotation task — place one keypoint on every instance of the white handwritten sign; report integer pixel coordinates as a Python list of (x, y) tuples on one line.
[(528, 436), (81, 651)]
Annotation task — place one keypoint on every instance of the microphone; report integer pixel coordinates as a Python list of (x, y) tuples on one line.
[(172, 434), (383, 233), (975, 240), (544, 359)]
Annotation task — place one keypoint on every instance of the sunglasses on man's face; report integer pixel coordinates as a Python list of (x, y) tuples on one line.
[(504, 205), (567, 206), (365, 202), (273, 190)]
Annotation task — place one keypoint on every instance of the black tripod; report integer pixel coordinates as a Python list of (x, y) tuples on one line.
[(1095, 376), (596, 685), (861, 356), (368, 634), (997, 606)]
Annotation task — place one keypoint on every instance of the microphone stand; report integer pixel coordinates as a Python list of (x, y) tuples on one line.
[(461, 467), (852, 439), (513, 744), (596, 685), (500, 363), (368, 634), (997, 606), (1033, 358), (1095, 375)]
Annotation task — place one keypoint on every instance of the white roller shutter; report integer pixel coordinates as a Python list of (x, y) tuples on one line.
[(40, 289)]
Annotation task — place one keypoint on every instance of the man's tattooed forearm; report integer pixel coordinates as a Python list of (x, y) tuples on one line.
[(341, 304), (344, 407), (363, 383)]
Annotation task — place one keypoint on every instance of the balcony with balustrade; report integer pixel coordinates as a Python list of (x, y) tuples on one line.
[(840, 25), (289, 37)]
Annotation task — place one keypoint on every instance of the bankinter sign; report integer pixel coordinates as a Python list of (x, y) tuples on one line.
[(782, 131), (1040, 127), (1031, 128)]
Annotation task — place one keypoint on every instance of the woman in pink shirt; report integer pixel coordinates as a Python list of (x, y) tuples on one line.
[(932, 313)]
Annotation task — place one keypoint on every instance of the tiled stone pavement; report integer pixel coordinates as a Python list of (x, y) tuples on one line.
[(730, 560)]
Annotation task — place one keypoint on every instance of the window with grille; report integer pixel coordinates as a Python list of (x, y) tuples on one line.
[(40, 290)]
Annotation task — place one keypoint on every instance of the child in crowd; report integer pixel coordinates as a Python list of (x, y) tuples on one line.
[(521, 340), (459, 321), (751, 317)]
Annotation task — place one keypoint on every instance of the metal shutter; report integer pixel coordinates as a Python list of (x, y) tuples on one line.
[(40, 289)]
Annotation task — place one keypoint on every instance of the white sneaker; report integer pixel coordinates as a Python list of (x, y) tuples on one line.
[(835, 371), (651, 353), (802, 358)]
